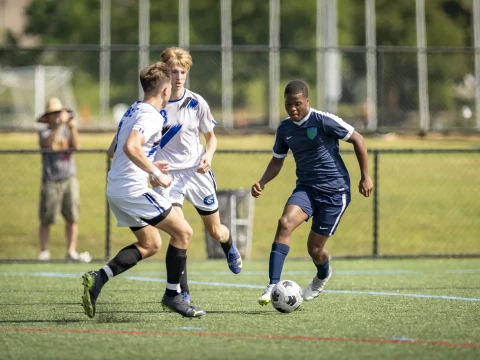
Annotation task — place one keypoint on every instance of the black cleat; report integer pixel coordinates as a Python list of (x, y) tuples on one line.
[(180, 305), (186, 296), (92, 285)]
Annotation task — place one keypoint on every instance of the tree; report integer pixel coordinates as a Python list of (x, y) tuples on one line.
[(78, 22)]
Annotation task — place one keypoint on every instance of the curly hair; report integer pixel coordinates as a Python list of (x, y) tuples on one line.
[(296, 87)]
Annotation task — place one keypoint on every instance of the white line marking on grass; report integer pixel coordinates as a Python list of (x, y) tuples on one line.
[(255, 273), (208, 283), (296, 272), (191, 328), (309, 272), (249, 286), (43, 274), (424, 296)]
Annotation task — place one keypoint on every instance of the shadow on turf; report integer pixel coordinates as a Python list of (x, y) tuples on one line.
[(260, 312), (40, 321), (38, 303)]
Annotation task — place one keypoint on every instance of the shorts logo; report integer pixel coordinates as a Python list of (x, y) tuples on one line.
[(312, 132), (209, 200)]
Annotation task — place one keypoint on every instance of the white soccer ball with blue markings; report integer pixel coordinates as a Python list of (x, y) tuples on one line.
[(286, 296)]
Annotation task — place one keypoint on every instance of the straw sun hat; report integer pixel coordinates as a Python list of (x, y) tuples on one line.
[(53, 105)]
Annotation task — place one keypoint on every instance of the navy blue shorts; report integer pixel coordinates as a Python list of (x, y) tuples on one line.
[(326, 209)]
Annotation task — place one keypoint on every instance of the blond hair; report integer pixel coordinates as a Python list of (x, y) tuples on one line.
[(175, 56), (154, 76)]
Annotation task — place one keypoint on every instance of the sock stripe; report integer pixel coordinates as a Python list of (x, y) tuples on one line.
[(108, 271), (174, 287)]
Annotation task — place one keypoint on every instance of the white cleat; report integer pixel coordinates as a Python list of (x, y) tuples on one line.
[(316, 287), (267, 295), (44, 255), (84, 257)]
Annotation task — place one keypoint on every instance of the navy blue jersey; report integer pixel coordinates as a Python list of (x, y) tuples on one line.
[(314, 144)]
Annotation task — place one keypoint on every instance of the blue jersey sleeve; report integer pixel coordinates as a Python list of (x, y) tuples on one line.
[(337, 127), (280, 147)]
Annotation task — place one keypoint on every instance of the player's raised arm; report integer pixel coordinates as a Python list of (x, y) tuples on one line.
[(271, 172), (365, 186)]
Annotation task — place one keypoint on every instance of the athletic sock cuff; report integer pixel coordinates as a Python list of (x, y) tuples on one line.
[(281, 248), (134, 251), (173, 251)]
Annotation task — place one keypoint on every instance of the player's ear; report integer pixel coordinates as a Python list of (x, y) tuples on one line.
[(308, 101)]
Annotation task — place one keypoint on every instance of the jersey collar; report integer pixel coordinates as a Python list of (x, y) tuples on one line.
[(184, 92), (304, 119)]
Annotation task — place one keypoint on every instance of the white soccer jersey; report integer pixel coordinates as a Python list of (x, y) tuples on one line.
[(126, 178), (184, 119)]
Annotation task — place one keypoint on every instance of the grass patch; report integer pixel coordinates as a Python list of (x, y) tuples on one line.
[(357, 316)]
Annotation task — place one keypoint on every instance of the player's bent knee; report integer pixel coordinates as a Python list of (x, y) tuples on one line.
[(219, 233), (152, 247), (285, 225), (183, 233), (317, 253)]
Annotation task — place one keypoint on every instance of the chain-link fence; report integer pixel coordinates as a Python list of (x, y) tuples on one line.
[(452, 105), (425, 203)]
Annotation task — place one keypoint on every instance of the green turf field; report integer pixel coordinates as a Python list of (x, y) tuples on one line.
[(420, 197), (371, 309)]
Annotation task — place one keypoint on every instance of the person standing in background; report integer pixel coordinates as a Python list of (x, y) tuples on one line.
[(60, 190)]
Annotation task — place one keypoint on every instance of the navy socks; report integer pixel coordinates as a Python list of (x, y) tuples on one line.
[(322, 270), (277, 259)]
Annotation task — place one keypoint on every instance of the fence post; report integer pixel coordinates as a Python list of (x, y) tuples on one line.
[(274, 63), (105, 54), (476, 39), (375, 203), (107, 219), (422, 66)]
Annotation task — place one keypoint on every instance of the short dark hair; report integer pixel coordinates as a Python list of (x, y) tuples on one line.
[(296, 87), (154, 75)]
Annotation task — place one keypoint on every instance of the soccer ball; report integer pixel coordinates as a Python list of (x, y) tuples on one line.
[(286, 296)]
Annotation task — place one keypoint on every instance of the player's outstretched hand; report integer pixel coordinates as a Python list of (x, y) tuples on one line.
[(161, 180), (162, 165), (365, 186), (257, 189)]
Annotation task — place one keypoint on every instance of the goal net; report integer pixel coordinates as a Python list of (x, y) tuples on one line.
[(25, 90)]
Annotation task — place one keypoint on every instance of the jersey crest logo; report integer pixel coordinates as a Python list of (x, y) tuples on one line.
[(311, 132), (209, 200)]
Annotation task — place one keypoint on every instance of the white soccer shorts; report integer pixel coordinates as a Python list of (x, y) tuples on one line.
[(199, 189), (132, 211)]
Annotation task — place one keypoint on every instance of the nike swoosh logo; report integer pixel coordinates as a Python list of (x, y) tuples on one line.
[(288, 137), (323, 228)]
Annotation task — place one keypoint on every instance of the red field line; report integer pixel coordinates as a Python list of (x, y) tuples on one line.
[(252, 336)]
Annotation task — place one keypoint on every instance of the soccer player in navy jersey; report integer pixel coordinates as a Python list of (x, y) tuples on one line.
[(322, 191)]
